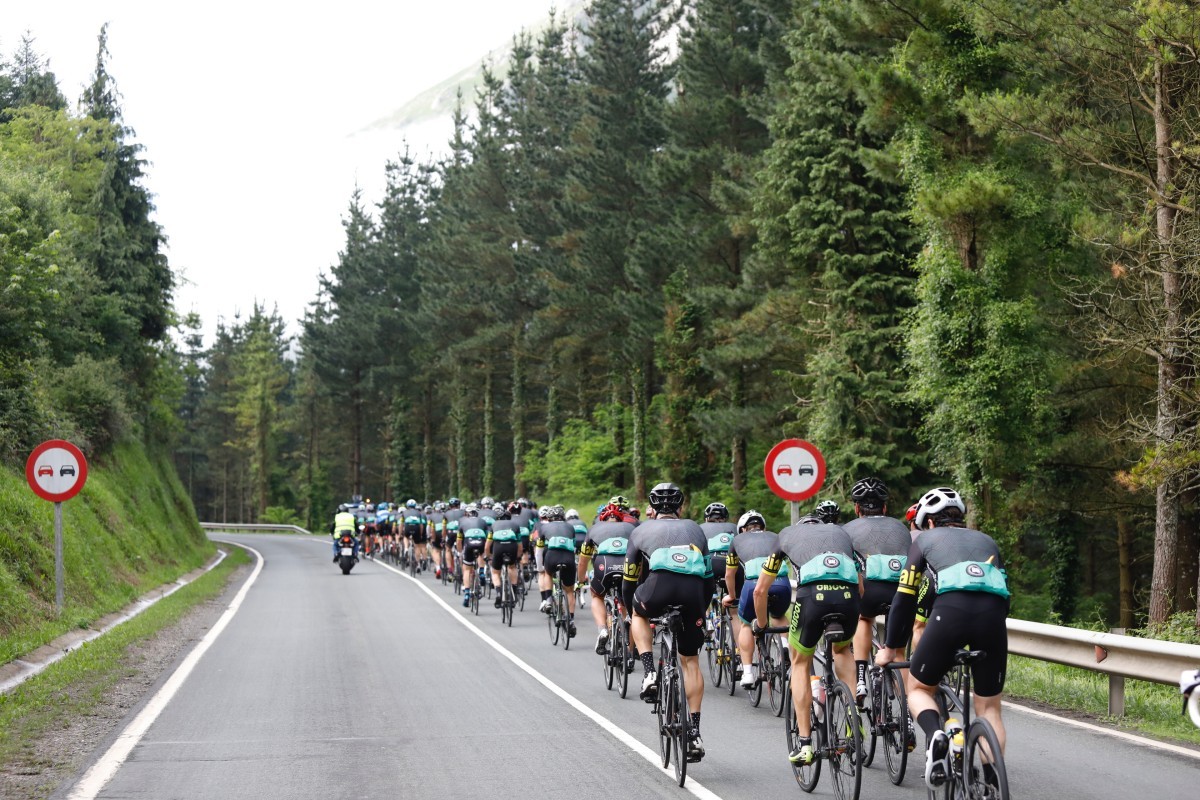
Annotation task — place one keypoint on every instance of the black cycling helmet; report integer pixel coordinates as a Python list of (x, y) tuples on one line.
[(828, 511), (716, 511), (666, 498), (500, 511), (454, 502), (870, 492)]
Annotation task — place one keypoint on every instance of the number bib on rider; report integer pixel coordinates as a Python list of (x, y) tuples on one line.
[(973, 576), (681, 559), (613, 547), (829, 567), (885, 568), (561, 543)]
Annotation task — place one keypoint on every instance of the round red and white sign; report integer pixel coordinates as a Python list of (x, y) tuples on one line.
[(56, 470), (794, 469)]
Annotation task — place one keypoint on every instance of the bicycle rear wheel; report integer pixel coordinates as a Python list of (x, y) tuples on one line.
[(681, 723), (845, 746), (564, 620), (507, 601), (775, 681), (985, 776), (552, 621), (806, 775), (613, 654), (661, 710), (716, 654), (895, 721)]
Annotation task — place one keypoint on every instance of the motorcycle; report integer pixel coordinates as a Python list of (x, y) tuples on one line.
[(346, 557)]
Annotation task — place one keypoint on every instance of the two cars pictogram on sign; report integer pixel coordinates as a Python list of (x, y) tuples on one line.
[(46, 469), (803, 469)]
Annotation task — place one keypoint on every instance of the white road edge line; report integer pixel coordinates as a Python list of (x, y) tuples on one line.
[(1129, 737), (604, 722), (100, 773)]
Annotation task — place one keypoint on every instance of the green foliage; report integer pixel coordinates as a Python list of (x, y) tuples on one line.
[(94, 400), (132, 528), (578, 464)]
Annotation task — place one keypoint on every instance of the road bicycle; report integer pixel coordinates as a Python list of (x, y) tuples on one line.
[(774, 669), (478, 587), (976, 763), (618, 658), (720, 648), (836, 731), (558, 620), (671, 703), (508, 598), (888, 721)]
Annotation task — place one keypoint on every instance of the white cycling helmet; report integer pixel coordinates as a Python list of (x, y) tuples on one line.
[(749, 517), (572, 514), (935, 501)]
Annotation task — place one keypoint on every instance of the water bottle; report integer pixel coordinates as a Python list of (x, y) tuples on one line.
[(818, 696), (954, 733)]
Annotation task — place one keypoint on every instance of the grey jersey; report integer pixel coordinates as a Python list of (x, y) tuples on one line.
[(751, 550), (607, 538), (942, 548), (879, 536), (816, 552), (655, 534), (719, 534)]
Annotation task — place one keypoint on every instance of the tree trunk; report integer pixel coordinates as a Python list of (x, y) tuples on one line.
[(427, 441), (460, 434), (518, 416), (737, 455), (1189, 552), (487, 478), (1125, 568), (640, 379), (1170, 371), (552, 401)]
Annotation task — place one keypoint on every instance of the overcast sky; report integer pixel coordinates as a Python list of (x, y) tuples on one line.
[(248, 113)]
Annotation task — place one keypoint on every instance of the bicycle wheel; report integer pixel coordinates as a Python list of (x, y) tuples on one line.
[(806, 775), (625, 665), (870, 712), (845, 746), (716, 654), (729, 646), (894, 720), (522, 593), (507, 601), (774, 677), (985, 776), (661, 709), (610, 658), (475, 592), (564, 620), (683, 722), (552, 621)]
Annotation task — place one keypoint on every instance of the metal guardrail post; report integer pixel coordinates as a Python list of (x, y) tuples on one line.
[(1116, 683)]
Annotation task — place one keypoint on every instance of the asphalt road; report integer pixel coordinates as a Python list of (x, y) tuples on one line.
[(366, 686)]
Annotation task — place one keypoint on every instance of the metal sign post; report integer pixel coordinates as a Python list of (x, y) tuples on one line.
[(56, 470)]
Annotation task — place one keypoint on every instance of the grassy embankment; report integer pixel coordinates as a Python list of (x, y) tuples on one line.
[(132, 528)]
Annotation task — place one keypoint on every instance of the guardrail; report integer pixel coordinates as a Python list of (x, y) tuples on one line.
[(233, 526), (1115, 654)]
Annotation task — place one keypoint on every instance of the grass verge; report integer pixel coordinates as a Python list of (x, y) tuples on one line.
[(76, 685), (1150, 708)]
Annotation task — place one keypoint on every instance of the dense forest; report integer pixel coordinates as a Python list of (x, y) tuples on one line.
[(86, 351), (947, 241)]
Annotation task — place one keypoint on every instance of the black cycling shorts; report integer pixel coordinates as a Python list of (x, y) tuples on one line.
[(472, 550), (814, 601), (663, 589), (417, 533), (607, 574), (876, 595), (561, 562), (975, 620), (502, 549), (450, 538)]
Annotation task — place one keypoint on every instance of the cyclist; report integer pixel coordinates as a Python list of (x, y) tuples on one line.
[(556, 540), (454, 515), (881, 546), (667, 564), (344, 522), (435, 516), (581, 530), (503, 538), (604, 548), (967, 574), (720, 532), (627, 512), (750, 550), (822, 556), (416, 529), (473, 532), (383, 526)]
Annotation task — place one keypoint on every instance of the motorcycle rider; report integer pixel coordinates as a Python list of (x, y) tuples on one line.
[(344, 522)]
